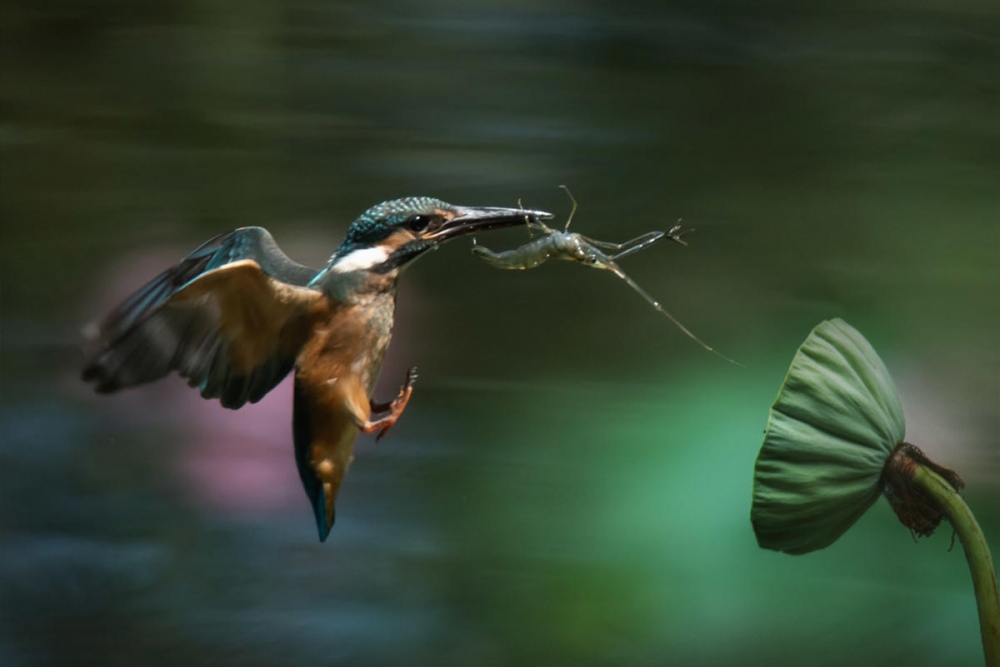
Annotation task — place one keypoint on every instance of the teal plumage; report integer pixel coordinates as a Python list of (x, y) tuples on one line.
[(374, 224)]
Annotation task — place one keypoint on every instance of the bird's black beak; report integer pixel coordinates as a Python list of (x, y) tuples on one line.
[(469, 219)]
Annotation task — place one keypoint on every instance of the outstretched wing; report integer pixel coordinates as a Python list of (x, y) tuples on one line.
[(230, 318)]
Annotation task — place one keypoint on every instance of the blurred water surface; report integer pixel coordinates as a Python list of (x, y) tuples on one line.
[(571, 483)]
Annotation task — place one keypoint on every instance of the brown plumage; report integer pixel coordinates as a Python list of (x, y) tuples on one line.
[(237, 315)]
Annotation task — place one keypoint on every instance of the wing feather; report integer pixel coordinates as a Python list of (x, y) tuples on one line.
[(229, 318)]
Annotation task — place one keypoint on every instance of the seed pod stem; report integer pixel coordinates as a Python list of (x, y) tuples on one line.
[(977, 552)]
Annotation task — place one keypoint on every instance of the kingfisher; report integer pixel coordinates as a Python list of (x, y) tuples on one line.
[(237, 315)]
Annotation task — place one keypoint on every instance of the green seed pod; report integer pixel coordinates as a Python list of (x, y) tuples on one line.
[(834, 424)]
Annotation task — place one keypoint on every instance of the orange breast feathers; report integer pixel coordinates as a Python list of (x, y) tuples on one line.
[(340, 362), (335, 374)]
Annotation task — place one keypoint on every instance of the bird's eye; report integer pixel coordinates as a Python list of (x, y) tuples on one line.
[(418, 223)]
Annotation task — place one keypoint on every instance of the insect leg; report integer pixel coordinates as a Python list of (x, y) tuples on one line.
[(538, 225), (677, 232), (628, 247), (614, 268), (573, 211), (532, 225)]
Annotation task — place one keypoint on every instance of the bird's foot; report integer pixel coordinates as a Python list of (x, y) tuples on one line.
[(395, 408)]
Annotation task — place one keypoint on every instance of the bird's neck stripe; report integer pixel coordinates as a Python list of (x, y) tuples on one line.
[(361, 259)]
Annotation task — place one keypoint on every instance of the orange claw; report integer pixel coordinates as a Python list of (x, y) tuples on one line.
[(395, 409)]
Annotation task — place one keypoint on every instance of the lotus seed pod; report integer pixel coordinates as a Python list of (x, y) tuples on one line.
[(835, 422)]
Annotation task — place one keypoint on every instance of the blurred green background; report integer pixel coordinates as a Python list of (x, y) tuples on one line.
[(571, 482)]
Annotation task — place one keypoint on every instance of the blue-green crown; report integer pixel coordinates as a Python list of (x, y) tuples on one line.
[(377, 222)]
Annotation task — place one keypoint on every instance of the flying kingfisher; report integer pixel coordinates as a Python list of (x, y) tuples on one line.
[(237, 315)]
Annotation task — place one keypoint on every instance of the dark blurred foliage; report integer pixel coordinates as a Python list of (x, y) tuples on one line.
[(571, 483)]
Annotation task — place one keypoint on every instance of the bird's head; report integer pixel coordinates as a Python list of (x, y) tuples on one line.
[(392, 234)]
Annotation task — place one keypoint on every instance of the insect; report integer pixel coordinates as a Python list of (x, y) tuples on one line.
[(574, 247)]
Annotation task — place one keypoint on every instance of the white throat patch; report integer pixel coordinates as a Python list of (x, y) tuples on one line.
[(361, 259)]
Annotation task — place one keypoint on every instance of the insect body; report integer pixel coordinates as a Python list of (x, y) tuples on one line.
[(574, 247), (564, 245)]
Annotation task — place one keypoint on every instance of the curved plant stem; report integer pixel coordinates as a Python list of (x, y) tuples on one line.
[(977, 552)]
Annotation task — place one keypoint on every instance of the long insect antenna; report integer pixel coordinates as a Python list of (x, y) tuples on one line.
[(614, 268), (572, 212)]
